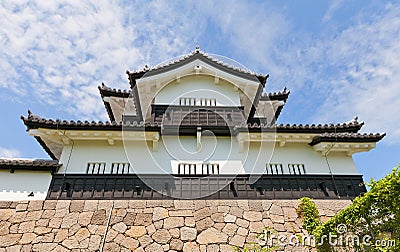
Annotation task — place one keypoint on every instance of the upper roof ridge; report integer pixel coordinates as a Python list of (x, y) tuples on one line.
[(104, 87), (261, 77)]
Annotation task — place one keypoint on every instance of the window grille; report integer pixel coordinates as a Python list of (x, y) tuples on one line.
[(187, 101), (190, 101), (208, 102), (210, 169), (120, 168), (191, 169), (96, 168), (297, 169), (274, 169)]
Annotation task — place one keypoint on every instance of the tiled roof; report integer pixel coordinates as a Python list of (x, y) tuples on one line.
[(347, 137), (197, 54), (33, 121), (29, 164), (353, 126), (112, 92), (106, 91), (280, 96)]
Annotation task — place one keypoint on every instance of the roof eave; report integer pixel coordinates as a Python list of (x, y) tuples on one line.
[(372, 138)]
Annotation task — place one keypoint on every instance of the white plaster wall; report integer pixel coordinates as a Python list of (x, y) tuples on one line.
[(315, 163), (199, 87), (226, 153), (90, 151), (26, 182)]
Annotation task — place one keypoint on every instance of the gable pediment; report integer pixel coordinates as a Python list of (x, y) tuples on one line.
[(196, 66)]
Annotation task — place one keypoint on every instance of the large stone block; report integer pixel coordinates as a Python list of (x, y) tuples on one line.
[(63, 204), (173, 222), (76, 206), (99, 217), (230, 229), (4, 227), (5, 214), (252, 216), (34, 215), (204, 224), (35, 205), (129, 219), (61, 235), (145, 240), (188, 234), (143, 219), (183, 204), (202, 213), (120, 227), (181, 213), (211, 236), (71, 243), (160, 213), (237, 240), (136, 231), (154, 247), (161, 236), (82, 234), (229, 218), (176, 244), (69, 220), (26, 227), (191, 247), (27, 238)]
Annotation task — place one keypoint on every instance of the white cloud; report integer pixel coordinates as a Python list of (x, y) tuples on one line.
[(348, 72), (353, 72), (367, 59), (333, 7), (59, 52), (56, 52), (9, 153)]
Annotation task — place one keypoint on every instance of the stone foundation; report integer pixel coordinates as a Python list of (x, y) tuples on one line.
[(148, 225)]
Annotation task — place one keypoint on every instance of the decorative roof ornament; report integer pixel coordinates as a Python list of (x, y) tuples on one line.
[(197, 49), (354, 120)]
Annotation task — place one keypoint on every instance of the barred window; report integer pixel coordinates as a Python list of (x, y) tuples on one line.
[(198, 169), (96, 168), (120, 168), (207, 102), (274, 168), (210, 169), (297, 169), (191, 101), (187, 101)]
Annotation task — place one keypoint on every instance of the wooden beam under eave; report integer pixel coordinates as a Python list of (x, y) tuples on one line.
[(216, 80), (110, 141)]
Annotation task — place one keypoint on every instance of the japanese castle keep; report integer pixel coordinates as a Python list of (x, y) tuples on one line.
[(193, 158)]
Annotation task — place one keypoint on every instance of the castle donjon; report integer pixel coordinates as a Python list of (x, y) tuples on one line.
[(192, 158)]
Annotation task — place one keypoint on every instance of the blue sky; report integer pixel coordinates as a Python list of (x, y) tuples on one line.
[(340, 59)]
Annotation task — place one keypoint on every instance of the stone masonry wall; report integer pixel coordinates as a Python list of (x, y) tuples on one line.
[(147, 225)]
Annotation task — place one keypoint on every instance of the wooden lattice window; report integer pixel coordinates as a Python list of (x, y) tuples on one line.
[(198, 169), (187, 101), (208, 102), (274, 168), (210, 169), (297, 169), (96, 168), (191, 101), (120, 168)]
